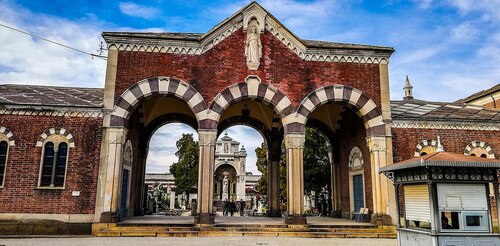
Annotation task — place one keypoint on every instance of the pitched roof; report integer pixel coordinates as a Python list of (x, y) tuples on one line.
[(443, 159), (427, 110), (480, 94), (37, 95)]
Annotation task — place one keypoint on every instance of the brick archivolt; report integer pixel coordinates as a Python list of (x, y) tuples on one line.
[(480, 144), (363, 105), (6, 134), (130, 99), (59, 132), (253, 89), (424, 144)]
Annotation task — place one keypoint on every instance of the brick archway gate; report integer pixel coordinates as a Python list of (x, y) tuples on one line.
[(210, 63)]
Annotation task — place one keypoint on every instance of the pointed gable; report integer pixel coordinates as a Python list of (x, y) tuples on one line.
[(198, 44)]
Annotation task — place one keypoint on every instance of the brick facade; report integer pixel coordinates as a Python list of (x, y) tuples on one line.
[(20, 193), (224, 65)]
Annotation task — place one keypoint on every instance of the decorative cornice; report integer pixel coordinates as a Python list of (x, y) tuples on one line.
[(51, 112), (197, 44), (446, 125)]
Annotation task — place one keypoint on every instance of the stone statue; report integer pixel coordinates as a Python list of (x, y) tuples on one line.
[(224, 184), (253, 49), (226, 148)]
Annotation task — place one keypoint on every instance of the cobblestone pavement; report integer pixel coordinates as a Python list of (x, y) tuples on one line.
[(218, 241)]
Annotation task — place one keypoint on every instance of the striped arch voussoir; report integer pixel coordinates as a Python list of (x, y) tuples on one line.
[(480, 144), (56, 131), (424, 143), (363, 105), (130, 99), (260, 91), (8, 134)]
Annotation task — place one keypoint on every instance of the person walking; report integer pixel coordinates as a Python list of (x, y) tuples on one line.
[(242, 207), (225, 207), (232, 207)]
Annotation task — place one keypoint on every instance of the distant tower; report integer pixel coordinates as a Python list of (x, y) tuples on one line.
[(408, 89)]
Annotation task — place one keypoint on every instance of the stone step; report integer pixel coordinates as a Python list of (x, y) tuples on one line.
[(248, 230), (145, 233)]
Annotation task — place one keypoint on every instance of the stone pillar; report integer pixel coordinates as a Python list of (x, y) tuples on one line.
[(294, 144), (497, 201), (380, 185), (110, 175), (240, 187), (273, 175), (139, 209), (109, 93), (207, 139)]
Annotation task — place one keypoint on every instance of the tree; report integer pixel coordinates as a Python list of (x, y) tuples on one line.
[(261, 154), (317, 172), (185, 171)]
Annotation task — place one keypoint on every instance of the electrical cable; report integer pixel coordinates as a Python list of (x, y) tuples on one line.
[(53, 42)]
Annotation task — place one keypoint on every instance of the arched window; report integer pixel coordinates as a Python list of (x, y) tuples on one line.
[(4, 146), (54, 164), (480, 149), (54, 161)]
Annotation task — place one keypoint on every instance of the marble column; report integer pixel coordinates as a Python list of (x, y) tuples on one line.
[(294, 144), (207, 139)]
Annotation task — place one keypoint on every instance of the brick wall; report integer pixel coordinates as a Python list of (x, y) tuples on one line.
[(224, 65), (353, 134), (20, 193), (405, 140)]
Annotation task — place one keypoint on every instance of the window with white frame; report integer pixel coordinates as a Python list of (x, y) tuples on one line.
[(54, 161)]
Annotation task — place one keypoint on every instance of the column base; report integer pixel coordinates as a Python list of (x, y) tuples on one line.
[(204, 218), (274, 213), (109, 217), (295, 219)]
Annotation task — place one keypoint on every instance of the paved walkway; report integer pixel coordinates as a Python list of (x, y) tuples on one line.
[(201, 241), (311, 220)]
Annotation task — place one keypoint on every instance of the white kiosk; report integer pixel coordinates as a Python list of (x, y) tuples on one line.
[(445, 199)]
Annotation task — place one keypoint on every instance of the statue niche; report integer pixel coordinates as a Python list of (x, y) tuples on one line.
[(253, 46)]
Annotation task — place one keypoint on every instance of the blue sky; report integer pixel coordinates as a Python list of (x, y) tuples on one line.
[(449, 49)]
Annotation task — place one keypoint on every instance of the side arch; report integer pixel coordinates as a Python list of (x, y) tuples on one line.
[(423, 144), (9, 135), (56, 131), (357, 100), (131, 98), (480, 144), (253, 89)]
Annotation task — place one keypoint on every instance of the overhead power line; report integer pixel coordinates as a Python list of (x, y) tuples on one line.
[(54, 42)]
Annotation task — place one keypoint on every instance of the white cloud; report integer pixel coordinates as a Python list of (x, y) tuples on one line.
[(32, 61), (424, 4), (136, 10), (490, 9), (464, 32)]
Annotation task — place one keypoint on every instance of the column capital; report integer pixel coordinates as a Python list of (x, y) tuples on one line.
[(377, 143), (207, 137), (295, 140)]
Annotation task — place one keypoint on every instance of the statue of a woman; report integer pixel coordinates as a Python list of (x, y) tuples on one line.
[(253, 48), (224, 184)]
